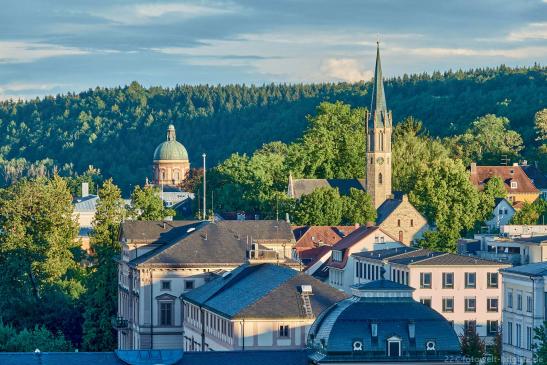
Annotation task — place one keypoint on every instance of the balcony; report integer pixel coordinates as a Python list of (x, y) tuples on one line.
[(263, 255), (120, 323)]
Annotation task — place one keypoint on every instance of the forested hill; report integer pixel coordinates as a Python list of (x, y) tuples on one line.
[(117, 129)]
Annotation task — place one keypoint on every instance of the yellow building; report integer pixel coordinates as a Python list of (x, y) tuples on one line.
[(171, 163)]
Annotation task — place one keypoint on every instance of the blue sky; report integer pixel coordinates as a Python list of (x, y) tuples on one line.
[(56, 46)]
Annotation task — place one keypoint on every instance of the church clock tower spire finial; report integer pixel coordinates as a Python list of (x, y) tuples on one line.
[(379, 128)]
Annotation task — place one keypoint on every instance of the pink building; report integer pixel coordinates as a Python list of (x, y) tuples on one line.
[(465, 290)]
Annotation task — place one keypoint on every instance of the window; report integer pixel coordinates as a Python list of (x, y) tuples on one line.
[(284, 330), (426, 301), (529, 304), (188, 284), (166, 313), (513, 185), (393, 347), (470, 280), (337, 255), (398, 222), (448, 280), (425, 280), (492, 304), (412, 222), (519, 302), (518, 328), (470, 304), (166, 285), (491, 327), (470, 326), (529, 337), (448, 304), (510, 333), (500, 211), (509, 299), (492, 278), (380, 180)]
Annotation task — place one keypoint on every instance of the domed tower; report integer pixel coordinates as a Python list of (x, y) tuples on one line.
[(171, 163), (382, 323)]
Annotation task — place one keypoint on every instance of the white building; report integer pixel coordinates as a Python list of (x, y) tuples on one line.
[(340, 264), (465, 290), (525, 291), (160, 261), (255, 307), (501, 215)]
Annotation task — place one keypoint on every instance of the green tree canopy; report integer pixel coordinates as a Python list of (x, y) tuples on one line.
[(322, 207), (26, 340), (102, 285), (147, 204), (358, 208), (540, 345), (495, 187)]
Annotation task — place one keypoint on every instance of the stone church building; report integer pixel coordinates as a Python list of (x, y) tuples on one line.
[(396, 215), (171, 163)]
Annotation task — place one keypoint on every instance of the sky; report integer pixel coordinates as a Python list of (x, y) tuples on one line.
[(58, 46)]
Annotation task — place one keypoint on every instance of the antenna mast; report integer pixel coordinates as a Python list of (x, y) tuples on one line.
[(204, 188)]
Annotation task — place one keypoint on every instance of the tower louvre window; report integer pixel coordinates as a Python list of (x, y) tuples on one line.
[(380, 179)]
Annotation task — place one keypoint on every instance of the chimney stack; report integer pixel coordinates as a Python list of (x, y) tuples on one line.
[(370, 224), (473, 168), (85, 189)]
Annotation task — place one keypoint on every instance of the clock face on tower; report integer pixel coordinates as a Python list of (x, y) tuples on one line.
[(380, 160)]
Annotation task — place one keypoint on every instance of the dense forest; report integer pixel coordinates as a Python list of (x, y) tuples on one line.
[(117, 129)]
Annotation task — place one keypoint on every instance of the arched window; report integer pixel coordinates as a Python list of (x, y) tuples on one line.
[(177, 176), (380, 179), (162, 174)]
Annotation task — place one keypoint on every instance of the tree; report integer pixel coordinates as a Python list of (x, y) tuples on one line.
[(472, 346), (102, 287), (412, 150), (38, 257), (26, 340), (487, 141), (322, 207), (495, 187), (495, 350), (531, 213), (147, 204), (540, 344), (444, 194), (540, 125), (358, 208)]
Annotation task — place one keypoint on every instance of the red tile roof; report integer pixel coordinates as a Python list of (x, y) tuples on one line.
[(481, 174), (314, 236)]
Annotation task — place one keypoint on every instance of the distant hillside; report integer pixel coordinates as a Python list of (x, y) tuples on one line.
[(117, 129)]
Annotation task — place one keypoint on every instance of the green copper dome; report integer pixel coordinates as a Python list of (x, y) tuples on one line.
[(170, 149)]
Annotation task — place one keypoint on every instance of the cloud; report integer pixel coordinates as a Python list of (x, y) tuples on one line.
[(24, 51), (26, 90), (439, 52), (345, 69), (530, 31), (143, 13)]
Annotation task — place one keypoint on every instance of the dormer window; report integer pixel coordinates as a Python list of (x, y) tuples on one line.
[(337, 255), (513, 185), (394, 347)]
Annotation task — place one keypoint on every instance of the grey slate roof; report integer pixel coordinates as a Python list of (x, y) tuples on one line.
[(220, 243), (262, 291), (306, 186), (248, 357), (382, 285), (537, 269), (450, 259), (385, 210), (86, 204), (384, 254), (537, 177)]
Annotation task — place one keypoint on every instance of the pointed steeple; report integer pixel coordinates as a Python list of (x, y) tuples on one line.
[(378, 106)]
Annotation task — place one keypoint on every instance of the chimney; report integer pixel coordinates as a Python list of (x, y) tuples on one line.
[(405, 198), (473, 168), (524, 162), (85, 189), (356, 225), (515, 164), (370, 224)]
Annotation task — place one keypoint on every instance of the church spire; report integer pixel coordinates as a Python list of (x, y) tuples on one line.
[(378, 106)]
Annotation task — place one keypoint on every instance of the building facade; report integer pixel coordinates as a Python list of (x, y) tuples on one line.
[(502, 214), (398, 217), (171, 165), (465, 290), (363, 239), (525, 307), (255, 307), (160, 261)]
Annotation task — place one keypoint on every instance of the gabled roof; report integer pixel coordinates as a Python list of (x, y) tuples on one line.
[(479, 176), (313, 236), (390, 205), (190, 244), (302, 187), (498, 201), (263, 291)]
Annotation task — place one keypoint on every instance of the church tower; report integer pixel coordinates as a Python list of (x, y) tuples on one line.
[(379, 127)]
